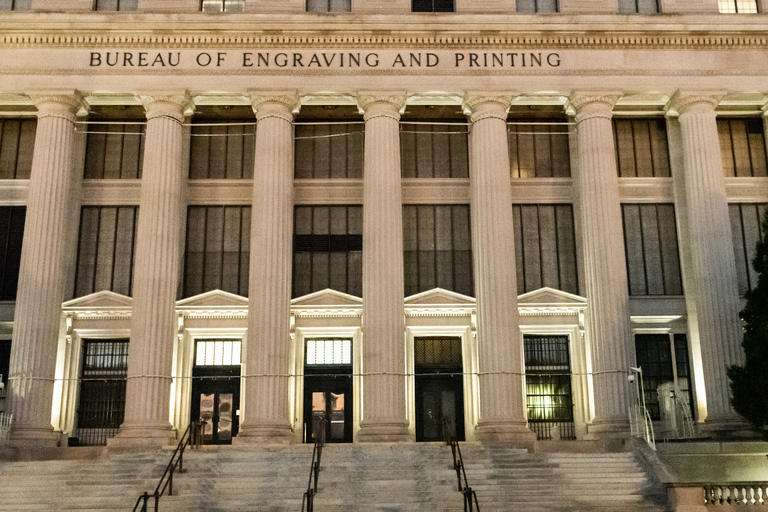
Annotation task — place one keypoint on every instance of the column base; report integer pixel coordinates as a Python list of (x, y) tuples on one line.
[(515, 433), (613, 427), (34, 437), (728, 427), (384, 432), (143, 435), (264, 434)]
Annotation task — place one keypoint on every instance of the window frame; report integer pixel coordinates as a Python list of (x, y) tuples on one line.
[(414, 9), (224, 4)]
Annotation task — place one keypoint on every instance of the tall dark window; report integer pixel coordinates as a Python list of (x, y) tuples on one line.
[(218, 249), (329, 151), (223, 151), (638, 7), (114, 151), (328, 249), (17, 143), (650, 242), (5, 362), (742, 146), (329, 5), (432, 6), (746, 230), (15, 5), (537, 6), (434, 151), (116, 5), (641, 148), (663, 358), (539, 149), (545, 247), (438, 248), (102, 390), (106, 249), (11, 235), (548, 386)]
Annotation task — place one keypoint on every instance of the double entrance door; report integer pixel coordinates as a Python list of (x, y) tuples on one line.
[(216, 400), (328, 408), (439, 388)]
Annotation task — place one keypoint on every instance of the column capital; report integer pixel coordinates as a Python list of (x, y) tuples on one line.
[(684, 102), (381, 103), (482, 105), (281, 104), (589, 104), (166, 105), (58, 104)]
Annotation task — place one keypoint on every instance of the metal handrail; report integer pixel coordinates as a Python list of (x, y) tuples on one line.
[(470, 496), (314, 470), (193, 437)]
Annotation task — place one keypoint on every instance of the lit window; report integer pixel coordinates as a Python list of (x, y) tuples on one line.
[(329, 5), (116, 5), (223, 6), (218, 353), (432, 6), (15, 5), (737, 6), (329, 351)]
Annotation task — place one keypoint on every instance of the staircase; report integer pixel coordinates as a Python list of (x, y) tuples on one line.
[(381, 477)]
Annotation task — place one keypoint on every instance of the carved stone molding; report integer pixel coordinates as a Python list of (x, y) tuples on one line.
[(695, 101), (675, 37), (482, 105), (57, 104), (593, 104), (389, 103), (281, 104), (171, 105)]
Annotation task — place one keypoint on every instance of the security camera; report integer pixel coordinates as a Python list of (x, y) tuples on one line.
[(631, 377)]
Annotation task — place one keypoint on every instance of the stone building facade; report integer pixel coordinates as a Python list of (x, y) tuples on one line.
[(399, 216)]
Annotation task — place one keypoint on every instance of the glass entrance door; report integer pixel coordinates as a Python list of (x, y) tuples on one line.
[(217, 403), (327, 409)]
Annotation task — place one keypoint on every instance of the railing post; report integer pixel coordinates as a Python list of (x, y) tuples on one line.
[(157, 501), (170, 483), (146, 499)]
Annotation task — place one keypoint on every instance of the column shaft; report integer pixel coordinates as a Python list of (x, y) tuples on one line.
[(41, 275), (607, 291), (266, 410), (715, 295), (500, 352), (384, 413), (156, 276)]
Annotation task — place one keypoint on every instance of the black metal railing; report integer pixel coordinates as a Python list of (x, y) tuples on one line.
[(193, 437), (470, 496), (318, 430)]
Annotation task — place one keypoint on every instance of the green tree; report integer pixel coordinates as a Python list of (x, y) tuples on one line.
[(749, 383)]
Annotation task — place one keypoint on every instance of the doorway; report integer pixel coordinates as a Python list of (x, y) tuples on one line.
[(439, 389), (216, 389), (328, 390)]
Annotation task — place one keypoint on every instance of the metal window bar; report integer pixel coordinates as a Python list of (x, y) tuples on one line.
[(548, 387), (6, 420), (101, 407)]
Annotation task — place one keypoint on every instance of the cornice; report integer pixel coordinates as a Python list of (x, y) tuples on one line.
[(604, 35)]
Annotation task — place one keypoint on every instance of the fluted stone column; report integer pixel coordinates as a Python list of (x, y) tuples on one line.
[(156, 275), (384, 412), (606, 283), (499, 342), (266, 407), (41, 276), (713, 267)]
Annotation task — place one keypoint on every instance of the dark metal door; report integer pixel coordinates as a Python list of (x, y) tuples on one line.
[(439, 403)]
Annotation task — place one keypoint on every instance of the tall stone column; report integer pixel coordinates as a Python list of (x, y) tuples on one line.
[(41, 276), (384, 412), (713, 268), (606, 283), (156, 275), (499, 342), (266, 407)]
